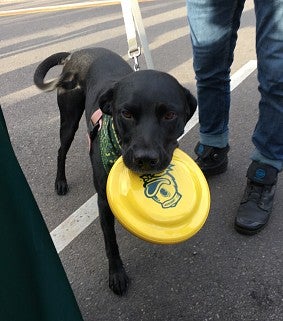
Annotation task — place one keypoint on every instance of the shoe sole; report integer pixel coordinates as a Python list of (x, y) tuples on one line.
[(244, 231), (215, 171)]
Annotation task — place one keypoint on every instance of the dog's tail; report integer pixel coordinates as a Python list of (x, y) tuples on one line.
[(41, 71)]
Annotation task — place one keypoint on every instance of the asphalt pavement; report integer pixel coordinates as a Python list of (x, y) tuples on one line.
[(216, 275)]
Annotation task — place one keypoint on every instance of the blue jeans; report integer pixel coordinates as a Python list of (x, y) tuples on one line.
[(214, 25)]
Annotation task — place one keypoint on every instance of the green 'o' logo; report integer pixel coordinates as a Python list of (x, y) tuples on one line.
[(162, 188)]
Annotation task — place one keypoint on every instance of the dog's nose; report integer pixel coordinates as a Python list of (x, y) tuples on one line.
[(146, 162)]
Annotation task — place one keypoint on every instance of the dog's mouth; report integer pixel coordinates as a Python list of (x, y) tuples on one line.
[(146, 165), (143, 171), (148, 160)]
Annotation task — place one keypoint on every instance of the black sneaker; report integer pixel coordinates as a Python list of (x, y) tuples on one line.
[(256, 205), (212, 160)]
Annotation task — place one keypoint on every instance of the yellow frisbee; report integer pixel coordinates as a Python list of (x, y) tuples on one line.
[(165, 208)]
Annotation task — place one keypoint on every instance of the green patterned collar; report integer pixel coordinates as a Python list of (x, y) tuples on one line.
[(110, 149)]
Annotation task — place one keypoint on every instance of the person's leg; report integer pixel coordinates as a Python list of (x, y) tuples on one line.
[(256, 205), (268, 134), (214, 25)]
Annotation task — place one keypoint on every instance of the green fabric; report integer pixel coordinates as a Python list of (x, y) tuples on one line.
[(110, 149), (33, 283)]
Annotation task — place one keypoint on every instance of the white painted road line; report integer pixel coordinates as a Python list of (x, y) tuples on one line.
[(241, 74), (17, 59), (64, 233), (76, 223), (20, 95), (62, 7)]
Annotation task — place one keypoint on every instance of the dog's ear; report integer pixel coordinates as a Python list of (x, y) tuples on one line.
[(192, 103), (105, 101)]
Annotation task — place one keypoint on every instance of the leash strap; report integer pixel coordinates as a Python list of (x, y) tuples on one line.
[(133, 21), (95, 124)]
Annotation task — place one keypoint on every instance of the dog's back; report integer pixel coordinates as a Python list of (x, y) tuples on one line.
[(76, 68)]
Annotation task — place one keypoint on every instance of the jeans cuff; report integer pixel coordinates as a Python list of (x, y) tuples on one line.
[(258, 157), (219, 141)]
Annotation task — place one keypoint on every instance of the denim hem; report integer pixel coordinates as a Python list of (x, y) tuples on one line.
[(219, 141), (258, 157)]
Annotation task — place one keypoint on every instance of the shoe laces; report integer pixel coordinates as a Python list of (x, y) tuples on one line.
[(258, 193)]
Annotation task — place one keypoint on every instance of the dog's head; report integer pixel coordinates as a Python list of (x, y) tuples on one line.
[(150, 110)]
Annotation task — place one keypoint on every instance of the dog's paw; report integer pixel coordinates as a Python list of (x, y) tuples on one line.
[(61, 187), (119, 282)]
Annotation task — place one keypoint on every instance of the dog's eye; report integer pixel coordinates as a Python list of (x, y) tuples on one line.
[(127, 114), (169, 115)]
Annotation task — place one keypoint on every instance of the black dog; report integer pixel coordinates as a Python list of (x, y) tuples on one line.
[(149, 110)]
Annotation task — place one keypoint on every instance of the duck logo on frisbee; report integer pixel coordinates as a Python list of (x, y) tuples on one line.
[(162, 188)]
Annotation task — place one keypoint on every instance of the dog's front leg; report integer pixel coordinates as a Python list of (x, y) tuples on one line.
[(118, 279)]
